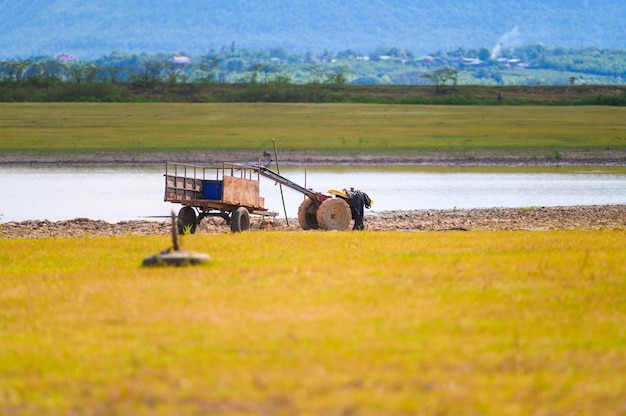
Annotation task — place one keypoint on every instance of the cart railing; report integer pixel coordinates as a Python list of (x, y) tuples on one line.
[(225, 184), (216, 172)]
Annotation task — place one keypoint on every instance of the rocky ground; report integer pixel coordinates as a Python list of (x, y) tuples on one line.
[(536, 218)]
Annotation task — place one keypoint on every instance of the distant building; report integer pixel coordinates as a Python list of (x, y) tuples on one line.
[(513, 63), (65, 57), (181, 60)]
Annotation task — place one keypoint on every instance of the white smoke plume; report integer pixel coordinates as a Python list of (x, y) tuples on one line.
[(510, 38)]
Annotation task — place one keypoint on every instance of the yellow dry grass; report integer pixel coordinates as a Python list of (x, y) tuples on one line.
[(284, 323)]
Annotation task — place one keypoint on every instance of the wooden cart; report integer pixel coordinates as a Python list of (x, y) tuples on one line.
[(230, 191)]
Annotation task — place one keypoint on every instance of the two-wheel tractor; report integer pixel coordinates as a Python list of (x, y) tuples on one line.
[(330, 214)]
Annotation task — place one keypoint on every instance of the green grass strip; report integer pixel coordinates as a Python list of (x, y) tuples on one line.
[(323, 128)]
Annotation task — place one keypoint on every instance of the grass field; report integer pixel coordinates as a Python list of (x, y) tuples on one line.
[(284, 323), (326, 128)]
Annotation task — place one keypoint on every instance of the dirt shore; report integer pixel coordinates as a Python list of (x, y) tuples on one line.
[(607, 157), (536, 218)]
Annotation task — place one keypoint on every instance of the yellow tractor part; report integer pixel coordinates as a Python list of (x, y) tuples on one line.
[(343, 194)]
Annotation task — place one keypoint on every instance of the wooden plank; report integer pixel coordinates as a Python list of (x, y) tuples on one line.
[(241, 192), (265, 213), (180, 182), (175, 194)]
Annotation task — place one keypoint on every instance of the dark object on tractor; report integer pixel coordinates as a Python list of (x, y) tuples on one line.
[(358, 202)]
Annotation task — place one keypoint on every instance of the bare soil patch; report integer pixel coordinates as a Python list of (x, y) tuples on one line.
[(451, 158)]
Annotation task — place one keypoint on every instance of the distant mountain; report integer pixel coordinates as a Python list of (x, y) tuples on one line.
[(93, 28)]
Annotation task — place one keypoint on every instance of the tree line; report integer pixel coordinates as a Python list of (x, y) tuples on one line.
[(528, 65)]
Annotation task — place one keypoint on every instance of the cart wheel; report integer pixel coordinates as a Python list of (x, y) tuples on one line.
[(186, 220), (334, 214), (240, 220), (307, 215)]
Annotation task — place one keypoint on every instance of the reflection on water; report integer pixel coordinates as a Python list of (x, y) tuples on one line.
[(129, 193)]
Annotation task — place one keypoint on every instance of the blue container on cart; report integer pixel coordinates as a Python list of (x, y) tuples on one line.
[(213, 190)]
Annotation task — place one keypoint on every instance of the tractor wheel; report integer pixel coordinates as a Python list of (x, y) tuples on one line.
[(240, 220), (307, 215), (334, 214), (186, 221)]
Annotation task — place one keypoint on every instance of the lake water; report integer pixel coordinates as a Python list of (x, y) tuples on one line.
[(130, 193)]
